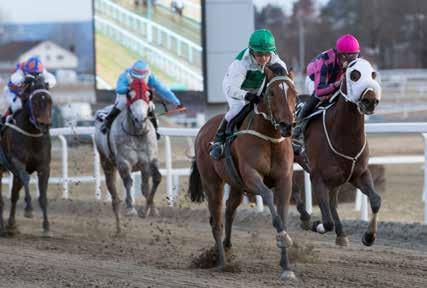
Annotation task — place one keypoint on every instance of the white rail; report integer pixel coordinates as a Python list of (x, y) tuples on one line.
[(154, 56), (172, 175), (154, 33)]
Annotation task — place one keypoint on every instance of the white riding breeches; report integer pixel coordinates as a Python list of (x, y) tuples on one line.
[(121, 101), (235, 106), (308, 86), (13, 100)]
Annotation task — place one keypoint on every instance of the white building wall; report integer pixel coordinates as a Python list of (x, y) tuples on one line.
[(53, 56)]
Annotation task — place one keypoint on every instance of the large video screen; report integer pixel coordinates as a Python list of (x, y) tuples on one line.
[(166, 34)]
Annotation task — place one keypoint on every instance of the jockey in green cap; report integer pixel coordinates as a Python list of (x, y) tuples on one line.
[(243, 80)]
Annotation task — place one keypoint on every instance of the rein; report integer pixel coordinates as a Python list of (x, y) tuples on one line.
[(20, 130), (353, 159)]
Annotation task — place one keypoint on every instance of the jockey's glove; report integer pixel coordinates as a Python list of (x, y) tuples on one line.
[(252, 97)]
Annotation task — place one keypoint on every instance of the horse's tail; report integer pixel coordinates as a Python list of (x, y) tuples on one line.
[(195, 189)]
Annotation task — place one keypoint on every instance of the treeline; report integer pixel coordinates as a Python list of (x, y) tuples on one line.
[(392, 33)]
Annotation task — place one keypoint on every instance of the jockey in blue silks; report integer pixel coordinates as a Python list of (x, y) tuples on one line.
[(139, 71), (17, 83)]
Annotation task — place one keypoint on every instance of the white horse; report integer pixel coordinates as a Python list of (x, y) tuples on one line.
[(129, 146)]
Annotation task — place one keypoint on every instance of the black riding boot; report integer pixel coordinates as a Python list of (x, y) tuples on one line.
[(153, 120), (217, 147), (108, 121), (301, 123), (306, 110)]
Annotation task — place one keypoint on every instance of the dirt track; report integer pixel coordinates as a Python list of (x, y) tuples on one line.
[(159, 252)]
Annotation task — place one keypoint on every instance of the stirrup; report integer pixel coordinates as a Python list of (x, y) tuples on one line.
[(216, 151)]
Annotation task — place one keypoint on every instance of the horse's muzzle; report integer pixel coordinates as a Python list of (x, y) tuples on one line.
[(285, 129), (367, 105)]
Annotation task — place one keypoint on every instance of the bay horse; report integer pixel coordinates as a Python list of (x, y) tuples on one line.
[(337, 149), (130, 145), (26, 148), (263, 157)]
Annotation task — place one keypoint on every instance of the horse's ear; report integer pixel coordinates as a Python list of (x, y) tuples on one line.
[(268, 72), (291, 74)]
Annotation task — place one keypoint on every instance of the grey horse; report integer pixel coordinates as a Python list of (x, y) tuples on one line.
[(129, 146)]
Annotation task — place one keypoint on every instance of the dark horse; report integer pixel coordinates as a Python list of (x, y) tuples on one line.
[(263, 156), (337, 149), (26, 147)]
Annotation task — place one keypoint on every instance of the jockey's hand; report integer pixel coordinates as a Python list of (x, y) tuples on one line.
[(180, 108), (252, 97), (337, 84)]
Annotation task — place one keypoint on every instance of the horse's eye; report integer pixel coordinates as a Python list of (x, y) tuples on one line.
[(355, 75), (374, 75)]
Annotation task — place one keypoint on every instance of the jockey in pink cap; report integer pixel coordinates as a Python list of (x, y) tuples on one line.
[(324, 75)]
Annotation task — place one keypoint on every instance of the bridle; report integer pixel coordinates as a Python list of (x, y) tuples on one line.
[(267, 100)]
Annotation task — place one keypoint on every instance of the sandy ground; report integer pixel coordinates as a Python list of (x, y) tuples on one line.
[(161, 252)]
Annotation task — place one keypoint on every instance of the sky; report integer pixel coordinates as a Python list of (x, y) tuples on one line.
[(285, 4), (39, 11)]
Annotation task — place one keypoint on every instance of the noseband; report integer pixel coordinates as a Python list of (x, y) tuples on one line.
[(269, 116)]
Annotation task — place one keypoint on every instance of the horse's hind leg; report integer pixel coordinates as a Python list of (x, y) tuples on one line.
[(215, 194), (234, 200), (366, 185), (157, 177), (2, 229), (43, 176), (125, 173), (304, 215), (342, 239), (110, 180), (11, 225), (321, 191)]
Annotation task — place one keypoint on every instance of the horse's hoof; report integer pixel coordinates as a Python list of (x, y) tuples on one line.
[(12, 230), (153, 212), (131, 212), (28, 214), (287, 275), (141, 212), (318, 227), (283, 240), (306, 225), (342, 241), (368, 239), (46, 234)]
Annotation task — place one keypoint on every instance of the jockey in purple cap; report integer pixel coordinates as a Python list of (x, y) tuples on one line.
[(324, 74), (139, 71), (16, 85)]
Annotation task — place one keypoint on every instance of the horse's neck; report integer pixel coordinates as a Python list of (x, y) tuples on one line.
[(347, 123), (261, 125), (23, 120), (125, 120)]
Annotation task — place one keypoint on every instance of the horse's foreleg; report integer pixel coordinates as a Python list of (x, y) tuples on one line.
[(110, 180), (25, 179), (157, 177), (254, 184), (321, 192), (342, 239), (283, 194), (366, 185), (125, 173), (11, 225), (43, 176), (304, 215), (234, 200)]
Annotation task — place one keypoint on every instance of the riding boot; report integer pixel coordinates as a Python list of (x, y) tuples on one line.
[(108, 121), (153, 120), (217, 148), (301, 122)]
